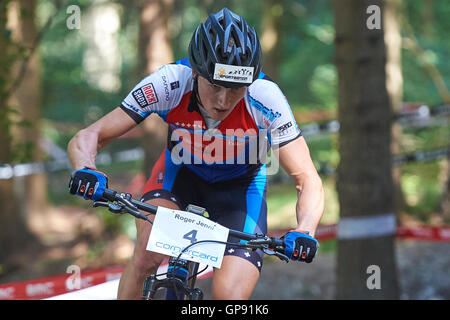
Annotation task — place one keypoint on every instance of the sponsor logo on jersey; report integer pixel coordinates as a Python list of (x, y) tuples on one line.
[(285, 126), (145, 96), (174, 85), (166, 87), (268, 113), (160, 177)]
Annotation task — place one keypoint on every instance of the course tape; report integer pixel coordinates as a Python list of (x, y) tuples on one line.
[(426, 233), (56, 285), (418, 116), (8, 171)]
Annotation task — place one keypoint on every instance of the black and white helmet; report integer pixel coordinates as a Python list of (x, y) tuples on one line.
[(226, 50)]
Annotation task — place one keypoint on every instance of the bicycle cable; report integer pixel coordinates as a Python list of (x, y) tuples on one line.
[(198, 272), (234, 244), (192, 244)]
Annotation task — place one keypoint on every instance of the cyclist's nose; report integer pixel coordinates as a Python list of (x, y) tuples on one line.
[(223, 99)]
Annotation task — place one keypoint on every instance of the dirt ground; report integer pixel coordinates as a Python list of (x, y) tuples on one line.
[(423, 270), (423, 266)]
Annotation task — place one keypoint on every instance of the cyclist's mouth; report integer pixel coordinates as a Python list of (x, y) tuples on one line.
[(220, 111)]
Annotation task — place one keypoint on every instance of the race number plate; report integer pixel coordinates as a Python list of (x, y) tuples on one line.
[(174, 230)]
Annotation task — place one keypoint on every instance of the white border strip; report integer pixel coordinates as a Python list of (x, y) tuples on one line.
[(103, 291), (367, 227)]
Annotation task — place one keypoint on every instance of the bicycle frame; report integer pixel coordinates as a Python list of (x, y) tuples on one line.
[(181, 276), (179, 283)]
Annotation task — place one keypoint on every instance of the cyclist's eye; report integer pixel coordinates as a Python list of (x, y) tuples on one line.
[(238, 91)]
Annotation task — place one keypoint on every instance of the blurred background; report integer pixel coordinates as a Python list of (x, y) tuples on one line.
[(367, 86)]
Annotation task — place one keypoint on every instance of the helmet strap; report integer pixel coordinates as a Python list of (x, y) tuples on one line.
[(195, 97)]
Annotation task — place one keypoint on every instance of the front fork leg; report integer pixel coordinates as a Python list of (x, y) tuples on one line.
[(150, 287)]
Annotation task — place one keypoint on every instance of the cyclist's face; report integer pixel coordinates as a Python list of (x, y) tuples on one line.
[(218, 101)]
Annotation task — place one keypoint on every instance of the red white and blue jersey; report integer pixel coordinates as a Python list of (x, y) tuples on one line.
[(262, 118)]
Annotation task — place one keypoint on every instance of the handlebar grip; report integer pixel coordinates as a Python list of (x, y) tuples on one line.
[(279, 242), (109, 195)]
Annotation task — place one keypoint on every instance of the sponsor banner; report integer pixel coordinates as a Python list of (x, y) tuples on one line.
[(56, 285)]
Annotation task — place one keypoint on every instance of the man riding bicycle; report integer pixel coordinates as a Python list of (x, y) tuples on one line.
[(221, 111)]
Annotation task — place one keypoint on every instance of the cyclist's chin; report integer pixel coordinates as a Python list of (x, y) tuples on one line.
[(219, 114)]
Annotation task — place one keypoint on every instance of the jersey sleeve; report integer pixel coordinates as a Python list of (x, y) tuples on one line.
[(157, 93), (275, 114)]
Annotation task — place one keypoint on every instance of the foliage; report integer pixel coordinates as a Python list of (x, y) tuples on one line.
[(308, 76), (68, 95)]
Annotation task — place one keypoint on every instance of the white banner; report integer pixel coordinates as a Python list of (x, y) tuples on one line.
[(174, 230), (366, 226)]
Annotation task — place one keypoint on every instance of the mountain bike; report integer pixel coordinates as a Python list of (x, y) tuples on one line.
[(181, 275)]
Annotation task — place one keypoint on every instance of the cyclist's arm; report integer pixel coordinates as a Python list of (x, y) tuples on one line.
[(296, 160), (82, 148)]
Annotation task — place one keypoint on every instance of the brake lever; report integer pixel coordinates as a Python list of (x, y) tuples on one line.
[(125, 200), (131, 208), (114, 208), (101, 204), (124, 206), (277, 254)]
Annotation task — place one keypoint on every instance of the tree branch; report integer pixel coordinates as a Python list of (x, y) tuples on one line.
[(411, 43)]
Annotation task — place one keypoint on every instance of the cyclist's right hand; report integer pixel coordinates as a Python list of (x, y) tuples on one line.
[(88, 183)]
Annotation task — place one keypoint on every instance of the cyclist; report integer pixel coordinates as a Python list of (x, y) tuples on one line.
[(220, 108)]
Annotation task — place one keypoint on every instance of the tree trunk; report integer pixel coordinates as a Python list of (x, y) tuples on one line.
[(27, 99), (155, 50), (445, 199), (394, 84), (20, 196), (365, 185), (272, 37)]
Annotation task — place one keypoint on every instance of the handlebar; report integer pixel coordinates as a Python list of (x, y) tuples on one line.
[(124, 203)]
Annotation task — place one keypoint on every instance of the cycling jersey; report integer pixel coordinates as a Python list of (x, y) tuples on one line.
[(238, 204), (212, 163), (262, 118)]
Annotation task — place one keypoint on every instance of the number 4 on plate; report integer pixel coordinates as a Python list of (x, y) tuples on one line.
[(191, 236)]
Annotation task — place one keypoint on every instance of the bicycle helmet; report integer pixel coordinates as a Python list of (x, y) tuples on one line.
[(226, 50)]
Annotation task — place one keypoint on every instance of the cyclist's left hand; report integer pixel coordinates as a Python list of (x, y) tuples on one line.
[(300, 246)]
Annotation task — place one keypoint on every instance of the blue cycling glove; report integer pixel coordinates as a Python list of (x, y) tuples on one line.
[(300, 246), (88, 183)]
